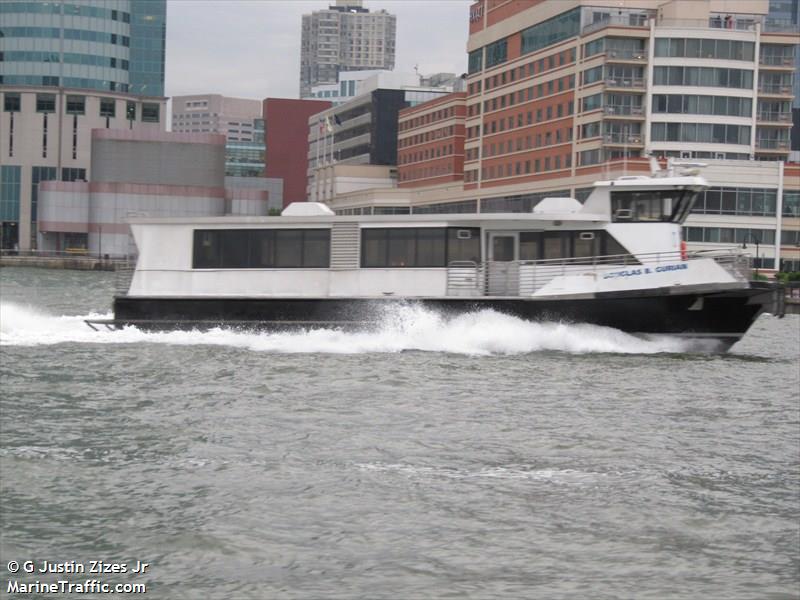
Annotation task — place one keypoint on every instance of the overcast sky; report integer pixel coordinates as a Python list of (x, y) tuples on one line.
[(251, 48)]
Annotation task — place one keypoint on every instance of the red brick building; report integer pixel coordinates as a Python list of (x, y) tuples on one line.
[(286, 139), (430, 144)]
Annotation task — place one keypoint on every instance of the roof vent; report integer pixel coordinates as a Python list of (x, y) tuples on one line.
[(307, 209), (558, 205)]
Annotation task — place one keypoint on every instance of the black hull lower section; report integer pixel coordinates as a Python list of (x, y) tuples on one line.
[(724, 315)]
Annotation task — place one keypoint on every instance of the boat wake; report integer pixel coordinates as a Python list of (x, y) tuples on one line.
[(409, 327)]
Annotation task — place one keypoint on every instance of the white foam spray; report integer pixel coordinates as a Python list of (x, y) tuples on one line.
[(406, 327)]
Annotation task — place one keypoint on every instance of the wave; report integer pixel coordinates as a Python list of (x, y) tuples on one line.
[(408, 327), (513, 472)]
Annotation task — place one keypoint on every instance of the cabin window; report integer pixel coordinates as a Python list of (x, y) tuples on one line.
[(529, 245), (651, 206), (463, 243), (553, 245), (418, 247), (261, 248)]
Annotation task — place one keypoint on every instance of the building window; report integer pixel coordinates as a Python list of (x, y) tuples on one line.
[(704, 76), (108, 107), (10, 187), (705, 48), (11, 102), (496, 53), (76, 105), (551, 31), (150, 112), (73, 174), (45, 103), (475, 61), (737, 201), (592, 102), (704, 133)]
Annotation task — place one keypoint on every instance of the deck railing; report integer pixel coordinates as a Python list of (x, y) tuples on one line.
[(123, 275), (526, 277)]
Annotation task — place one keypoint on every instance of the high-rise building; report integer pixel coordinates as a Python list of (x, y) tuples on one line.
[(112, 46), (68, 67), (581, 84), (344, 37), (148, 46), (785, 15), (562, 94)]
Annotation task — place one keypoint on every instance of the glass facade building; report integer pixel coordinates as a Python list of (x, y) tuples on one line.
[(148, 46), (113, 45)]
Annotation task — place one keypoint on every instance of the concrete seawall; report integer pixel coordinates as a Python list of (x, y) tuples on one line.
[(59, 262)]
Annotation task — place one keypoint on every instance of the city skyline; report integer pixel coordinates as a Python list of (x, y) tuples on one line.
[(233, 62)]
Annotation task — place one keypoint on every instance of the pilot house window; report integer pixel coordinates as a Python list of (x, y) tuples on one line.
[(651, 205)]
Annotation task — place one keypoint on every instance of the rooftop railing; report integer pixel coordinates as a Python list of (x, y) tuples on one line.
[(628, 20)]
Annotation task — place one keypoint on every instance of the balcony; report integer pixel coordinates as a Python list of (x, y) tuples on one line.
[(776, 62), (626, 83), (625, 20), (623, 139), (626, 55), (619, 110), (775, 89), (773, 145), (743, 24), (779, 118), (781, 26)]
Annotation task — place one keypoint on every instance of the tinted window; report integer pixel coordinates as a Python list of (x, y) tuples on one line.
[(463, 244), (206, 250), (288, 248), (261, 248), (404, 247), (234, 248)]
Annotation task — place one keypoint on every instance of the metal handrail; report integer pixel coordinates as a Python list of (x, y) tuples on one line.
[(625, 82), (639, 55), (775, 116), (622, 109), (783, 61), (123, 275), (622, 138), (772, 144), (775, 88), (525, 277)]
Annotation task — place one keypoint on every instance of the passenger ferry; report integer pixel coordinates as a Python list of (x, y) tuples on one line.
[(616, 260)]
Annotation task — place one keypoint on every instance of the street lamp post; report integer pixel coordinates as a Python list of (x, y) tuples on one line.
[(757, 242)]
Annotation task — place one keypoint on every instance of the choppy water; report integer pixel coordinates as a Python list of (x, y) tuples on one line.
[(479, 457)]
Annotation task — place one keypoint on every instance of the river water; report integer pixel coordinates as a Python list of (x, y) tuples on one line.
[(477, 457)]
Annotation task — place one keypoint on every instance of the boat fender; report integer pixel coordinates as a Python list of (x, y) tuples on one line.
[(684, 252)]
